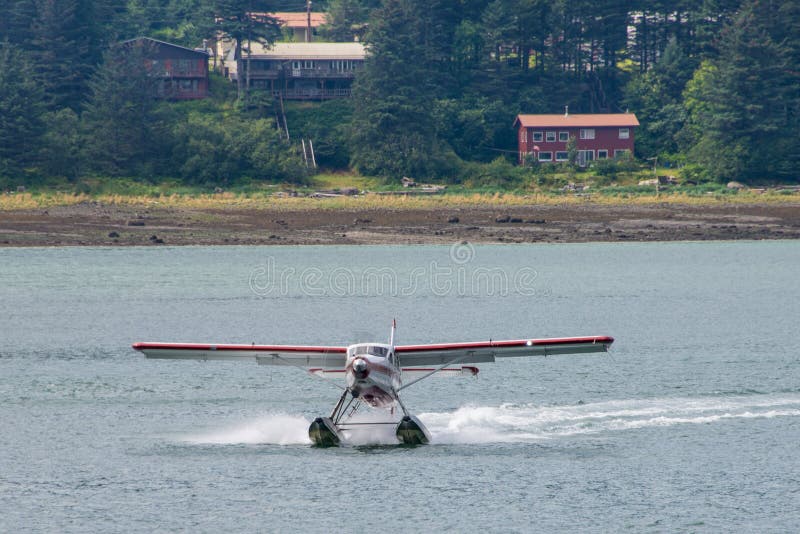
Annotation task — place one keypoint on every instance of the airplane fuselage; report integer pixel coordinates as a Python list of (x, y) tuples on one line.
[(373, 374)]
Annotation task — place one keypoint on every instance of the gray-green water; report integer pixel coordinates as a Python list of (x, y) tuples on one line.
[(691, 424)]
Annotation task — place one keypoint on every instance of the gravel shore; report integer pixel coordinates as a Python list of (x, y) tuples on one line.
[(96, 223)]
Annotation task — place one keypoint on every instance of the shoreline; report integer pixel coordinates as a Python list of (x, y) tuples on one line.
[(97, 223)]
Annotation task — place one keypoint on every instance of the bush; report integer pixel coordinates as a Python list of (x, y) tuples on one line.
[(499, 173), (327, 125), (695, 173), (606, 167), (213, 151)]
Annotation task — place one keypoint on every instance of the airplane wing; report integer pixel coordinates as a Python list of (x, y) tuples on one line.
[(297, 355), (487, 351)]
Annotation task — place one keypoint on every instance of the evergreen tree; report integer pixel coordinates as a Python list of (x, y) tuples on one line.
[(235, 20), (126, 132), (347, 19), (744, 109), (60, 47), (21, 109), (657, 98), (16, 19), (394, 132), (62, 153)]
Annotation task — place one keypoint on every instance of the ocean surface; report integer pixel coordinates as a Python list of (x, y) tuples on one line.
[(690, 424)]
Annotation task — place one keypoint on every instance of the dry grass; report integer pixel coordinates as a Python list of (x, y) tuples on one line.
[(26, 201)]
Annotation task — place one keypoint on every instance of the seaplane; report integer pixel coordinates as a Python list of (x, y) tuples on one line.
[(375, 373)]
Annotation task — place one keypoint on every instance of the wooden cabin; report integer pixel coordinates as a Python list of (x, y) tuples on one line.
[(301, 71), (598, 136), (182, 72)]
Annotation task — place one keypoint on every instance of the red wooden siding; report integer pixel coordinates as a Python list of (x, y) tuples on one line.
[(605, 138)]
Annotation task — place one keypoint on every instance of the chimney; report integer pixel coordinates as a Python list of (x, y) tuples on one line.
[(566, 111)]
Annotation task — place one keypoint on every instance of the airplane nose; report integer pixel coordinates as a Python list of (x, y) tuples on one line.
[(360, 368)]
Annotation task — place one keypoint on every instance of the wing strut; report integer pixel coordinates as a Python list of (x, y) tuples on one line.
[(423, 377)]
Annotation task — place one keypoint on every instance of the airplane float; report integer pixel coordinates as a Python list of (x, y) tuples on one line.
[(374, 372)]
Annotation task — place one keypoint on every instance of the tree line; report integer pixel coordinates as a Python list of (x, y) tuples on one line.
[(76, 100), (714, 84)]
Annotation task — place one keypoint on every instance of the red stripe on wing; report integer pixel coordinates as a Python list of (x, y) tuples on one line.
[(589, 340), (258, 348)]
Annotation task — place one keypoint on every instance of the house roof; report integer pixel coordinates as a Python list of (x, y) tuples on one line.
[(577, 120), (289, 51), (137, 39), (298, 20)]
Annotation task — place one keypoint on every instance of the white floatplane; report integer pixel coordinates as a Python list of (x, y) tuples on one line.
[(374, 372)]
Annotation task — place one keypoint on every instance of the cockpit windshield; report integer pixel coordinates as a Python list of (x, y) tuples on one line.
[(375, 350)]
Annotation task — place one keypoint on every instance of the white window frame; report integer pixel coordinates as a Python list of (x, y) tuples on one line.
[(563, 137), (564, 154), (604, 154), (587, 133), (538, 137), (624, 133), (620, 152), (543, 158), (550, 137)]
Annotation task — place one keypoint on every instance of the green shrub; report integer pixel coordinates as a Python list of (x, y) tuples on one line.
[(695, 173), (214, 151), (499, 173)]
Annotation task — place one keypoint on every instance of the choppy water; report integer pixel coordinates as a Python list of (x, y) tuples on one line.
[(691, 424)]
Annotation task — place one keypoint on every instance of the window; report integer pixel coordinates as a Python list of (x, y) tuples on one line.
[(537, 136), (182, 66), (624, 133), (341, 65), (308, 64), (297, 64), (602, 154), (551, 137), (563, 136), (545, 156), (562, 156), (587, 133), (523, 135), (373, 350), (620, 153)]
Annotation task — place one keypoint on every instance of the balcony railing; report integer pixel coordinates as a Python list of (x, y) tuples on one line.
[(320, 73), (312, 93)]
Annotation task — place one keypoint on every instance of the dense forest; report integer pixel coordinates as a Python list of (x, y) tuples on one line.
[(715, 85)]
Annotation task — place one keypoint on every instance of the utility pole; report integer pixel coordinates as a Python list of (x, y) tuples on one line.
[(308, 21)]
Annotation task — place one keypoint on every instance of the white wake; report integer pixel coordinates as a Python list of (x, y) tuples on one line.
[(510, 423), (514, 423), (278, 429)]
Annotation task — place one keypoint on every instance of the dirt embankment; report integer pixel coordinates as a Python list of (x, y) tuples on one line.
[(94, 223)]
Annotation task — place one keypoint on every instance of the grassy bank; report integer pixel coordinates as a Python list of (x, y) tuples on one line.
[(549, 189), (453, 199)]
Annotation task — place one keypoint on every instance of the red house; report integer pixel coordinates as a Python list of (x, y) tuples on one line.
[(182, 72), (598, 136)]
